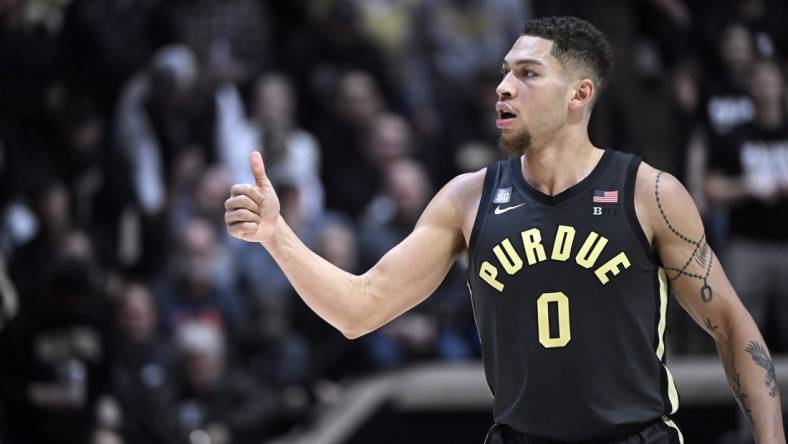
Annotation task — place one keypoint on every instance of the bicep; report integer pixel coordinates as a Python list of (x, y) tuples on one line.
[(696, 276)]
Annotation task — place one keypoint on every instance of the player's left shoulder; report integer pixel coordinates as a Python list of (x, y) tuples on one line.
[(662, 201)]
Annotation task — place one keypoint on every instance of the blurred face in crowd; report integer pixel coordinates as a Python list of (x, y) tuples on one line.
[(53, 208), (359, 98), (105, 437), (173, 77), (736, 48), (389, 140), (409, 185), (136, 314), (212, 189), (766, 84), (86, 138), (198, 252), (201, 352), (533, 95), (338, 246), (71, 292), (274, 101), (203, 369)]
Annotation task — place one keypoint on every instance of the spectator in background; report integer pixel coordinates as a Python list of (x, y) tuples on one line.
[(434, 329), (105, 42), (191, 289), (28, 54), (749, 175), (195, 197), (318, 54), (230, 38), (9, 301), (271, 349), (159, 115), (214, 400), (386, 23), (52, 208), (449, 44), (141, 366), (388, 140), (342, 136), (106, 437), (55, 362), (97, 179), (726, 103), (723, 105), (334, 357), (292, 152), (766, 21)]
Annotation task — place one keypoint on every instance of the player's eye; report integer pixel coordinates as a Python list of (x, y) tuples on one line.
[(529, 73), (504, 71)]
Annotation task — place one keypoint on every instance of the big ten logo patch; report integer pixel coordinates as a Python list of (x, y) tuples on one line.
[(503, 195), (607, 211)]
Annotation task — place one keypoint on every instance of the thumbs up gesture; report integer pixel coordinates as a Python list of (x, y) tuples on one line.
[(252, 211)]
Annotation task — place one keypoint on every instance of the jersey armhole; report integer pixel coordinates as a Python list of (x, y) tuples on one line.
[(631, 214), (479, 220)]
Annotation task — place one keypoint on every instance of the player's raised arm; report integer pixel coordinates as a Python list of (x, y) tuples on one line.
[(355, 305), (698, 281)]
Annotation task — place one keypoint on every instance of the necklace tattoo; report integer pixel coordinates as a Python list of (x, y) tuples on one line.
[(701, 254)]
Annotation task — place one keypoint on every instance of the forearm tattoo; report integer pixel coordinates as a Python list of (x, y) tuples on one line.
[(709, 326), (759, 355), (739, 393), (701, 253)]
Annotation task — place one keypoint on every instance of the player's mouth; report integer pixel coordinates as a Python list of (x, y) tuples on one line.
[(506, 115)]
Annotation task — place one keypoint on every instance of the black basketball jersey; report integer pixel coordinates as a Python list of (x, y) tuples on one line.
[(570, 304)]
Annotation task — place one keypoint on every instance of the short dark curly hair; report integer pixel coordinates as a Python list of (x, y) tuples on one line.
[(577, 42)]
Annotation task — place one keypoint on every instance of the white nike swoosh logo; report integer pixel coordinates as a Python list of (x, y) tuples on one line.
[(499, 210)]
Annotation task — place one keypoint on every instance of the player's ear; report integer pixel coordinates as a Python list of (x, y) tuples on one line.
[(582, 94)]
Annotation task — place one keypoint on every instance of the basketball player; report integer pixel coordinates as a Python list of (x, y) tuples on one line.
[(571, 253)]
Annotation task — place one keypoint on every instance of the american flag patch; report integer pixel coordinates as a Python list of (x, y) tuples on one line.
[(605, 196)]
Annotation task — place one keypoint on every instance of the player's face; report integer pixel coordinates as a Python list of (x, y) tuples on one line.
[(532, 96)]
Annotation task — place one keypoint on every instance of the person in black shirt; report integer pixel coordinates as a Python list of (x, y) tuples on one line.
[(749, 174), (570, 251)]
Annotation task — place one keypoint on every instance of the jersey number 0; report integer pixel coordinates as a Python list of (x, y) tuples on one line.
[(542, 308)]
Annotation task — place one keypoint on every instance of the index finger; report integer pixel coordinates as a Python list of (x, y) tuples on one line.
[(247, 190)]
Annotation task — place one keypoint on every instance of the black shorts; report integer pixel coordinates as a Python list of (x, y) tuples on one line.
[(660, 431)]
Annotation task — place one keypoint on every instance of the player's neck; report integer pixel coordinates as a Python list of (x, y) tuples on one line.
[(555, 166)]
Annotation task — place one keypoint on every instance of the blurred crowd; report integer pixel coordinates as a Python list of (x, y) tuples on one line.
[(128, 315)]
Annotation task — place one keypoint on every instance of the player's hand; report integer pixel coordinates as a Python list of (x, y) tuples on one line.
[(252, 210)]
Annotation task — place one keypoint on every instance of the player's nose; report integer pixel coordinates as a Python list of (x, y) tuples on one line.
[(505, 89)]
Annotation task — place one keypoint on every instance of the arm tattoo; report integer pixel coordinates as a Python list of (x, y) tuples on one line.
[(740, 395), (709, 326), (701, 254), (759, 355)]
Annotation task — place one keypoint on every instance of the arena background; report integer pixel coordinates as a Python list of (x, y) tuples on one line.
[(129, 315)]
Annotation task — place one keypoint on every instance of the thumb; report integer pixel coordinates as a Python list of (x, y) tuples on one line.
[(258, 168)]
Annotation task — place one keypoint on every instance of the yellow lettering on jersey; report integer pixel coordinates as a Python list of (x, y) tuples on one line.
[(532, 241), (489, 273), (562, 247), (543, 319), (611, 266), (586, 259), (511, 261)]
